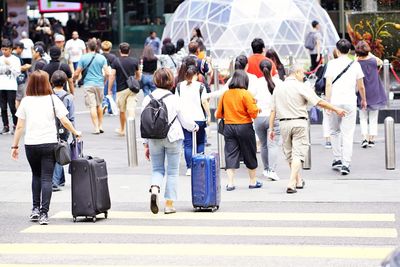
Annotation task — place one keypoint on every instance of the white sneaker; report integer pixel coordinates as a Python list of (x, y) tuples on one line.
[(273, 176), (266, 173), (189, 172)]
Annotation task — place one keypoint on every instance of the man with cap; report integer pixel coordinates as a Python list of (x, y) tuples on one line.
[(59, 41), (289, 105), (26, 54), (38, 61), (55, 64), (22, 78), (10, 68)]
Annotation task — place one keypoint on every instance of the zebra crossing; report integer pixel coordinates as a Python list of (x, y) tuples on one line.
[(164, 234)]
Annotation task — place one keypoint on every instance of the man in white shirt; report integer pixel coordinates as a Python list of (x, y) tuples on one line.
[(26, 55), (75, 48), (343, 77), (10, 68)]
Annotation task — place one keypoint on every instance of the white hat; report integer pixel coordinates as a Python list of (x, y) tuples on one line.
[(59, 38)]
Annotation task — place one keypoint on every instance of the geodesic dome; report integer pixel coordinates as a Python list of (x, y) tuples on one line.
[(229, 26)]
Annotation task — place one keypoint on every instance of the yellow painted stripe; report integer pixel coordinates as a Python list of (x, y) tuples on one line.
[(215, 231), (249, 216), (210, 250)]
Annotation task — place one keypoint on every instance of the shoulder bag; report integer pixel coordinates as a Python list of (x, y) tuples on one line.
[(131, 81), (85, 70), (61, 151), (221, 123)]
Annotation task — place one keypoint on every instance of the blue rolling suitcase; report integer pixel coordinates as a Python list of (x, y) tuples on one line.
[(206, 180)]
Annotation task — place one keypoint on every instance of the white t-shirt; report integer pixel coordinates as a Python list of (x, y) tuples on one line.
[(175, 109), (191, 99), (28, 45), (344, 89), (74, 49), (264, 97), (40, 124), (8, 81)]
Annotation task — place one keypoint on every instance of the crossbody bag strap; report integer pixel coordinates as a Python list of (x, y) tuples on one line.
[(343, 72), (55, 118), (122, 68), (173, 61), (90, 62)]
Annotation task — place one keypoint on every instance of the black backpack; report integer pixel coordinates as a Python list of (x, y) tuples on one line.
[(64, 133), (154, 119)]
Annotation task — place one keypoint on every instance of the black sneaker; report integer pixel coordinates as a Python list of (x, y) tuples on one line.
[(44, 219), (34, 217), (345, 170), (371, 143), (337, 165), (13, 130), (56, 188), (364, 144), (6, 130)]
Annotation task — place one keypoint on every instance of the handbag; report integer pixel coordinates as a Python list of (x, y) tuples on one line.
[(61, 151), (132, 83), (85, 70), (221, 123)]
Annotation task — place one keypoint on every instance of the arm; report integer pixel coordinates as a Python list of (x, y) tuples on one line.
[(323, 104), (271, 123), (251, 105), (218, 112), (67, 124), (71, 86), (111, 80), (206, 106), (328, 88), (361, 90), (77, 73), (106, 72), (318, 50), (25, 67), (17, 136), (138, 75)]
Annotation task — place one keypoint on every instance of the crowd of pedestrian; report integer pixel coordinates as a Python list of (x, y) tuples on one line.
[(260, 102)]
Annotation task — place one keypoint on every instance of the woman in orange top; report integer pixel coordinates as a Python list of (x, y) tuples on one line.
[(238, 109)]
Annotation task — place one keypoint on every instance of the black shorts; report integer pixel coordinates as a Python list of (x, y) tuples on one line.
[(240, 140)]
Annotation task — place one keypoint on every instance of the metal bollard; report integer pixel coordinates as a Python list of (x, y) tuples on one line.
[(307, 160), (131, 142), (390, 151), (386, 80), (220, 137)]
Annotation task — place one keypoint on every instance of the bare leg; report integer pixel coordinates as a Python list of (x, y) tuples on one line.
[(169, 204), (122, 121), (231, 177), (252, 176), (95, 119), (100, 117)]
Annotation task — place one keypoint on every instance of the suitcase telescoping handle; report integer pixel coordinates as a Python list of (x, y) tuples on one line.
[(194, 143)]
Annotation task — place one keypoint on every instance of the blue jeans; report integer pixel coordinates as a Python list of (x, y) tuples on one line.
[(106, 102), (269, 149), (148, 85), (164, 152), (58, 175), (188, 142)]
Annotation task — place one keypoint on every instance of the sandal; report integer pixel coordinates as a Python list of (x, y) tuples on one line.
[(291, 190), (230, 188), (301, 186), (257, 185)]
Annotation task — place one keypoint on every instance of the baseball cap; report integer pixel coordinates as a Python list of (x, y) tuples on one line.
[(39, 49), (59, 38), (55, 52)]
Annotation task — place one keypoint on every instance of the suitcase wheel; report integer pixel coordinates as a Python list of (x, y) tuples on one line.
[(74, 219), (94, 219), (214, 209), (106, 215)]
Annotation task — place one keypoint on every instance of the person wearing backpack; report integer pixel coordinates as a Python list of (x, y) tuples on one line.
[(162, 118), (58, 80), (313, 43), (190, 91)]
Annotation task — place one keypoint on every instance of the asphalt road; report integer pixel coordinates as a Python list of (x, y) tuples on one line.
[(334, 221)]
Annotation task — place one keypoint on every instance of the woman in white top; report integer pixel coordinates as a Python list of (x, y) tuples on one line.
[(167, 150), (263, 95), (35, 115), (190, 92)]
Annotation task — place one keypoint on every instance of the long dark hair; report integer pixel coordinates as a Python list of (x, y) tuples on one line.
[(191, 71), (241, 62), (265, 67), (186, 63), (240, 80), (271, 54), (179, 45)]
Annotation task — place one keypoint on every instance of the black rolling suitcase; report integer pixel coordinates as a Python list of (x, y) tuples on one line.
[(89, 182)]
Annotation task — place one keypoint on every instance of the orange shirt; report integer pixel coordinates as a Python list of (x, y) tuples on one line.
[(254, 65), (239, 107)]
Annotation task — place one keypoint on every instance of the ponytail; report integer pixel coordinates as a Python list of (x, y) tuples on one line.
[(265, 67), (190, 72)]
